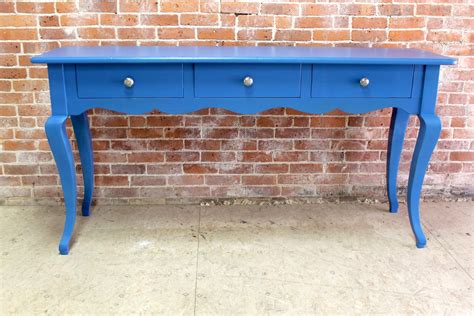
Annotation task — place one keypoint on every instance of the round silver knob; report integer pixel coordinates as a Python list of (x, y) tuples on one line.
[(128, 82), (364, 82), (248, 81)]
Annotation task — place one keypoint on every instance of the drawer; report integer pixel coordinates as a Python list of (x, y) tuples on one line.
[(344, 81), (149, 80), (263, 80)]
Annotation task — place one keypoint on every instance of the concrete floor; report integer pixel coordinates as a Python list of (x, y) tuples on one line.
[(290, 259)]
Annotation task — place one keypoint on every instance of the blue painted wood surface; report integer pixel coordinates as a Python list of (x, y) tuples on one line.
[(346, 78), (241, 54), (398, 126), (185, 79), (269, 80), (155, 80), (80, 124), (58, 140)]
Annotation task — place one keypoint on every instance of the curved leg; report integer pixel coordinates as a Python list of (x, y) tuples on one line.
[(80, 124), (398, 126), (430, 128), (62, 152)]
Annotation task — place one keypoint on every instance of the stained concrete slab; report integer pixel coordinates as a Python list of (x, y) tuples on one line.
[(290, 259)]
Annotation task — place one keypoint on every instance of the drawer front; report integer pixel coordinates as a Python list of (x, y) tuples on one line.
[(149, 80), (263, 80), (344, 81)]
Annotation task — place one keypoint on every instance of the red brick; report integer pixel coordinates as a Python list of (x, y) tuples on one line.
[(49, 21), (17, 20), (7, 7), (255, 156), (199, 19), (357, 9), (165, 144), (179, 6), (127, 169), (148, 181), (20, 169), (138, 6), (217, 34), (145, 157), (292, 133), (311, 144), (132, 144), (159, 19), (217, 156), (199, 168), (279, 8), (119, 19), (313, 22), (362, 155), (323, 9), (331, 35), (18, 34), (462, 156), (271, 168), (96, 33), (370, 23), (8, 60), (275, 145), (239, 144), (290, 156), (369, 35), (145, 132), (98, 6), (258, 180), (406, 36), (10, 48), (407, 22), (186, 180), (292, 35), (239, 7), (397, 9), (283, 22), (57, 33), (255, 34), (136, 33), (306, 168), (181, 156), (326, 121), (220, 133), (176, 33), (79, 19), (444, 36), (433, 9), (222, 179), (104, 180), (66, 7), (32, 7), (255, 20)]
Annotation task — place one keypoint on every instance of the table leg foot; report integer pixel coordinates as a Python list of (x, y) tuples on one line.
[(430, 128), (80, 124), (398, 126), (62, 152)]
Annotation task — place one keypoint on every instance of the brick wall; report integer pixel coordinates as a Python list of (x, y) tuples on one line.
[(214, 153)]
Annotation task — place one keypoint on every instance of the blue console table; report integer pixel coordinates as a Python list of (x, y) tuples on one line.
[(245, 80)]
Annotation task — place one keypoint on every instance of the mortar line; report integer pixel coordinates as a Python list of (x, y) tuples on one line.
[(197, 260)]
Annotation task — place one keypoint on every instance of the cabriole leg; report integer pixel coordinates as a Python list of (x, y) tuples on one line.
[(80, 124), (430, 128), (398, 126), (62, 152)]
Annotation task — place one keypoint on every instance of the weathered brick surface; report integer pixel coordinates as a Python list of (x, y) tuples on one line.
[(213, 152)]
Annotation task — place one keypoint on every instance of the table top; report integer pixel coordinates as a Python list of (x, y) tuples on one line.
[(240, 54)]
